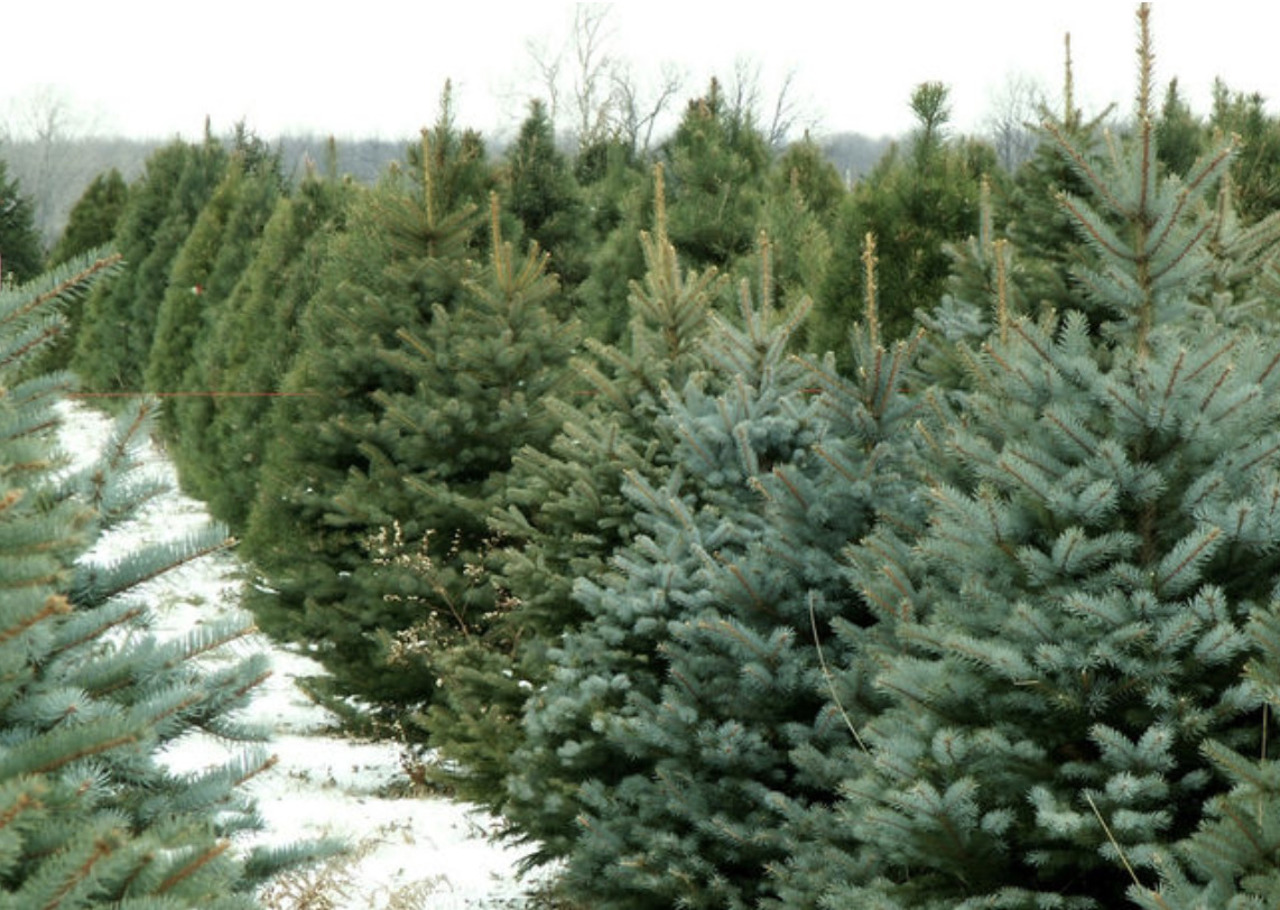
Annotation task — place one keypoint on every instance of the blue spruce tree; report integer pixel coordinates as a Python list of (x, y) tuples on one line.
[(684, 700), (1062, 646), (90, 814)]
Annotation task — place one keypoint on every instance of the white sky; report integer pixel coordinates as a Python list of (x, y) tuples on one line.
[(376, 67)]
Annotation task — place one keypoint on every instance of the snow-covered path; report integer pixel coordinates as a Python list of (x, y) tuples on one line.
[(433, 850)]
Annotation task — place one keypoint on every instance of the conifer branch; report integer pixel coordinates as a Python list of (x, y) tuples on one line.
[(54, 605), (85, 752), (786, 481), (24, 803), (123, 619), (194, 866), (1226, 348), (64, 286), (1217, 387), (1265, 456), (101, 849), (869, 262)]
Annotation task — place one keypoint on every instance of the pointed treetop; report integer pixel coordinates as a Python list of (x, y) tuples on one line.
[(428, 184), (659, 206), (1146, 62), (869, 262)]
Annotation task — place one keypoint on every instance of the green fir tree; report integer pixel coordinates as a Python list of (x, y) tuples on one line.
[(93, 219), (205, 271), (114, 336), (254, 340), (406, 252), (916, 201), (21, 249), (562, 515)]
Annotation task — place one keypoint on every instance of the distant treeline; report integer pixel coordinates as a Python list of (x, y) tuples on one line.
[(54, 173)]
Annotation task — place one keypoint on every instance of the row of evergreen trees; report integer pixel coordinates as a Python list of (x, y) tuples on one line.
[(548, 460)]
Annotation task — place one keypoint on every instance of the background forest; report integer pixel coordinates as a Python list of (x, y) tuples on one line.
[(744, 533)]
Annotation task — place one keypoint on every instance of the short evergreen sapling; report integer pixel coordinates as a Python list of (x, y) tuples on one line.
[(90, 816), (1062, 647)]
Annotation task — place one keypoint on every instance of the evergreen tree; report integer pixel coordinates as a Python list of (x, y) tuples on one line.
[(113, 343), (1028, 212), (916, 201), (356, 480), (716, 163), (1062, 643), (254, 341), (562, 515), (697, 668), (21, 249), (396, 260), (620, 201), (92, 221), (93, 817), (485, 373), (1180, 136), (542, 193), (1256, 165), (205, 273), (804, 197)]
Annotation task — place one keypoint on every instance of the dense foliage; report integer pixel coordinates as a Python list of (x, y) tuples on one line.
[(745, 538), (90, 699)]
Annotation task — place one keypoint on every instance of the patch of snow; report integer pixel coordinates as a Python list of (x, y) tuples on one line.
[(323, 784)]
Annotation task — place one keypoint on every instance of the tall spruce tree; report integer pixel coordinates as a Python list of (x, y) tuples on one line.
[(407, 251), (917, 200), (485, 372), (563, 514), (207, 270), (540, 191), (1062, 647), (717, 163), (90, 700)]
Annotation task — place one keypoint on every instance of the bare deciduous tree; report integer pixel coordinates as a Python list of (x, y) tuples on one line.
[(592, 30), (1015, 106), (591, 93), (45, 133), (636, 111), (776, 119)]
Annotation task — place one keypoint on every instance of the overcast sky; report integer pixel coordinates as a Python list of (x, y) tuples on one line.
[(376, 67)]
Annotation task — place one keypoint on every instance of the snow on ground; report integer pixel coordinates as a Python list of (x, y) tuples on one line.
[(434, 850)]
